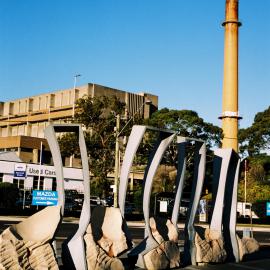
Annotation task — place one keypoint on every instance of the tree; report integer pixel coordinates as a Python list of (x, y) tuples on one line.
[(257, 184), (256, 139), (97, 115), (9, 193), (187, 123), (164, 179), (254, 142)]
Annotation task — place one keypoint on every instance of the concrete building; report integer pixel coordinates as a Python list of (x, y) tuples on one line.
[(22, 121)]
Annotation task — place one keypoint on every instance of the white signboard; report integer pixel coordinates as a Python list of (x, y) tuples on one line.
[(19, 170), (163, 206), (42, 171)]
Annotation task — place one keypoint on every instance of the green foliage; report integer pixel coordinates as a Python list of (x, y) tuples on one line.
[(255, 139), (138, 198), (257, 183), (262, 162), (187, 123), (164, 179), (255, 192), (9, 193)]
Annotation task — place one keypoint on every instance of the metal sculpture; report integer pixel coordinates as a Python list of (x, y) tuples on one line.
[(197, 185), (230, 208), (134, 141), (226, 171), (164, 141), (75, 246), (180, 177), (136, 136), (220, 243)]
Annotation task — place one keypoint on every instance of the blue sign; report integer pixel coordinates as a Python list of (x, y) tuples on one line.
[(44, 197), (19, 174), (268, 208)]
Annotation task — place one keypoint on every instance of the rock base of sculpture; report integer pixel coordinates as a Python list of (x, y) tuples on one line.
[(210, 248), (27, 246), (97, 258), (105, 239), (166, 255), (247, 245)]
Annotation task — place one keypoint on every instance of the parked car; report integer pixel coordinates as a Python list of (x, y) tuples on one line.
[(20, 203), (109, 201), (70, 205), (79, 199), (129, 208), (245, 210), (184, 204)]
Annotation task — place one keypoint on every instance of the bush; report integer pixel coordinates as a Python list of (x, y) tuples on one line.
[(9, 193)]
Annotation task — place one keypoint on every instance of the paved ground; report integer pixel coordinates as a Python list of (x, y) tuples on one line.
[(259, 260)]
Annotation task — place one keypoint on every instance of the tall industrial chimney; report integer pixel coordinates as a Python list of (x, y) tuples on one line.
[(230, 115)]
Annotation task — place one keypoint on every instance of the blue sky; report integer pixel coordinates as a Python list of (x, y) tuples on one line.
[(171, 48)]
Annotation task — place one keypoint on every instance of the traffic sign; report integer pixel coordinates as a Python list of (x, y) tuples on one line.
[(268, 208), (44, 197)]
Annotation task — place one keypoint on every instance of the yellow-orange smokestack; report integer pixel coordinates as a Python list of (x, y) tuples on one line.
[(230, 115)]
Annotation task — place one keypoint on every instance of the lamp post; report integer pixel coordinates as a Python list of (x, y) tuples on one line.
[(245, 179), (75, 82), (73, 112), (116, 160)]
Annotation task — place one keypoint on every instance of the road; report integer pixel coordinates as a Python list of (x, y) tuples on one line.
[(69, 227)]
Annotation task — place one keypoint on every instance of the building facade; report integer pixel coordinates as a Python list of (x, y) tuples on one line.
[(22, 121), (43, 177)]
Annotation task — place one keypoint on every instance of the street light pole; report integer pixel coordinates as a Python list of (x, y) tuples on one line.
[(74, 89), (116, 163), (71, 158), (245, 165)]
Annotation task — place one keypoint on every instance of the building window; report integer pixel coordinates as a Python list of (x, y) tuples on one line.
[(52, 101), (19, 183), (30, 104), (54, 184), (41, 183), (39, 103)]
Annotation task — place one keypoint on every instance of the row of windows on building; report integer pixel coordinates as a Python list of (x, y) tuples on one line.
[(43, 102), (28, 129), (36, 182)]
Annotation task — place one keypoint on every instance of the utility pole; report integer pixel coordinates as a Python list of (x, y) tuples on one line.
[(116, 160), (230, 114)]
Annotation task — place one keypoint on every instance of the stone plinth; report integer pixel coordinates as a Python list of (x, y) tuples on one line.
[(167, 254), (211, 248), (97, 258), (27, 245), (247, 245), (105, 239)]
